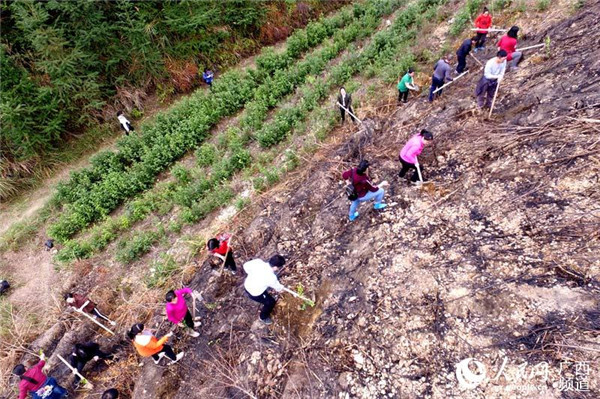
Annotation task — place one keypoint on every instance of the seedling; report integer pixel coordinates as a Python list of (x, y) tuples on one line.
[(300, 294)]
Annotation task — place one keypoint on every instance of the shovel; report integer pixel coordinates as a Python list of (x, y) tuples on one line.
[(420, 183)]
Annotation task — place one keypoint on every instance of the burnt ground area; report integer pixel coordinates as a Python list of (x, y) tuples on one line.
[(496, 260)]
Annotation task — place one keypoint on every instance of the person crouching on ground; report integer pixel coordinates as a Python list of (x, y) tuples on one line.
[(147, 344), (492, 74), (261, 277), (410, 151), (508, 43), (83, 353), (177, 310), (219, 247), (35, 381), (363, 189)]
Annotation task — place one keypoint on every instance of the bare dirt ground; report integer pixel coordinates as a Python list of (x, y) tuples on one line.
[(496, 260)]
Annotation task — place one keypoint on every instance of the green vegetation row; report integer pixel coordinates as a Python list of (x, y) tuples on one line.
[(267, 64), (381, 50), (138, 209), (115, 176), (196, 207), (61, 60)]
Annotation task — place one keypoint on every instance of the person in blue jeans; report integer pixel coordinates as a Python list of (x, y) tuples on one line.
[(441, 72), (364, 189)]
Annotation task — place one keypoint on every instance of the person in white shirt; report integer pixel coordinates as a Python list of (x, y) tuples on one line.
[(125, 124), (261, 277), (493, 73)]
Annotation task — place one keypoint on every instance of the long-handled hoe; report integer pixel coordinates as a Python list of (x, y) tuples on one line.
[(85, 383), (421, 182), (310, 302), (80, 310), (347, 110)]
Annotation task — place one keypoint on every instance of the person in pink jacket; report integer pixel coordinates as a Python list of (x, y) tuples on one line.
[(410, 151), (177, 310)]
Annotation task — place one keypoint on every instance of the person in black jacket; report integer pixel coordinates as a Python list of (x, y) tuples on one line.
[(110, 394), (345, 101), (4, 286), (463, 52), (83, 353)]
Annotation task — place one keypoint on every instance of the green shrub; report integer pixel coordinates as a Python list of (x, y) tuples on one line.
[(182, 174), (542, 5), (463, 17), (161, 271), (185, 125), (501, 4), (131, 248)]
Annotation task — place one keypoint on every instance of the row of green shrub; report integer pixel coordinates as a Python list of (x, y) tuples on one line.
[(314, 92), (61, 60), (185, 194), (130, 147), (141, 158)]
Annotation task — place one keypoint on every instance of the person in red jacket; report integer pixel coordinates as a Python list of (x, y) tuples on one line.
[(220, 248), (35, 381), (508, 43), (483, 21), (363, 188)]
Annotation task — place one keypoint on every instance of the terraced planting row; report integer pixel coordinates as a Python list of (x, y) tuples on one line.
[(193, 193), (94, 192), (253, 117)]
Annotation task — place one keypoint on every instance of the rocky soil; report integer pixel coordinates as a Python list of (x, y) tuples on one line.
[(495, 260)]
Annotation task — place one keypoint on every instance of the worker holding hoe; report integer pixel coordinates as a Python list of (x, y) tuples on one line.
[(261, 277), (441, 73), (508, 43), (220, 247), (361, 189), (409, 153), (463, 52), (492, 74), (82, 303), (483, 22), (177, 310), (148, 345), (344, 102), (405, 84), (35, 381)]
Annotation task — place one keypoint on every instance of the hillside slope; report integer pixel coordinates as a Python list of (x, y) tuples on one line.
[(496, 259)]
